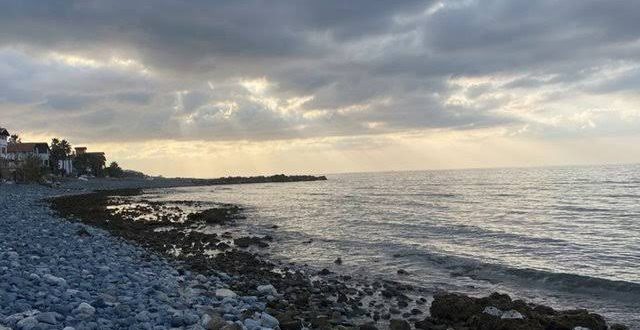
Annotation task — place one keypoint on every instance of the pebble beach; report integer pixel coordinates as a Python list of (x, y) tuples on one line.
[(55, 274)]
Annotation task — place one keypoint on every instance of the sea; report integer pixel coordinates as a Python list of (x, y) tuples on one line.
[(566, 237)]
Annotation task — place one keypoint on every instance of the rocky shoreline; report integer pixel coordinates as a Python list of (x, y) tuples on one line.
[(298, 297), (56, 274)]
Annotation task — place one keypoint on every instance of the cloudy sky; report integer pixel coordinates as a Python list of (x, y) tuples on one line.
[(207, 88)]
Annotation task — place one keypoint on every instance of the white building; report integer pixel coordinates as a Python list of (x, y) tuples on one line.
[(4, 136), (66, 166), (19, 151)]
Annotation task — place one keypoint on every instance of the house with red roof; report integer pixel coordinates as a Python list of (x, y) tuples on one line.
[(18, 151)]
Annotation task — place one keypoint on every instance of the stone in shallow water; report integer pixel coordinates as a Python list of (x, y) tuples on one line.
[(512, 315), (493, 311), (399, 325)]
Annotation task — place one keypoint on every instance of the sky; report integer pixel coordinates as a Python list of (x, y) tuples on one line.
[(227, 87)]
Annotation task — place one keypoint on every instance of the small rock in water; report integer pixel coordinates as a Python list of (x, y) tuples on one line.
[(399, 325), (368, 326), (324, 272), (512, 315), (493, 311), (402, 272), (617, 326), (338, 261)]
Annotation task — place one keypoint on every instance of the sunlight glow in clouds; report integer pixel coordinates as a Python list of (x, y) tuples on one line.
[(326, 86)]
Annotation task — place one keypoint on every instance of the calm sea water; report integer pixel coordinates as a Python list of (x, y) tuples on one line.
[(565, 236)]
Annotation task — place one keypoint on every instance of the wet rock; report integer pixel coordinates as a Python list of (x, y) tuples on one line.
[(577, 318), (430, 324), (395, 324), (324, 272), (222, 246), (216, 216), (499, 312), (245, 242), (493, 311), (368, 326), (512, 315), (402, 272), (338, 261), (616, 326)]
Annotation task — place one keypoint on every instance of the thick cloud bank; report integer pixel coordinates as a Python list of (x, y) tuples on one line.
[(266, 70)]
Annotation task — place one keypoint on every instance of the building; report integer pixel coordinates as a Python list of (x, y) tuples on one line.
[(92, 163), (4, 136), (17, 152), (65, 166)]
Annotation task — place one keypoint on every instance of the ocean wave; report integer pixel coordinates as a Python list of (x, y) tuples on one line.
[(528, 277)]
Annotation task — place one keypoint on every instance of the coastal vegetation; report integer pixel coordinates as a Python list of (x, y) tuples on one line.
[(30, 170), (60, 151)]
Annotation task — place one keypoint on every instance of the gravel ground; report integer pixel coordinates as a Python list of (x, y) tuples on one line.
[(55, 274)]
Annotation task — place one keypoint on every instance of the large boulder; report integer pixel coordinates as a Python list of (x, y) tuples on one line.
[(454, 307), (399, 325), (499, 312), (576, 318)]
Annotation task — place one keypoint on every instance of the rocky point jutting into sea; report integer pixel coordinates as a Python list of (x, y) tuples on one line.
[(110, 260)]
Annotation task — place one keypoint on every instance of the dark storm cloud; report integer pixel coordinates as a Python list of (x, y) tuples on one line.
[(180, 64)]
